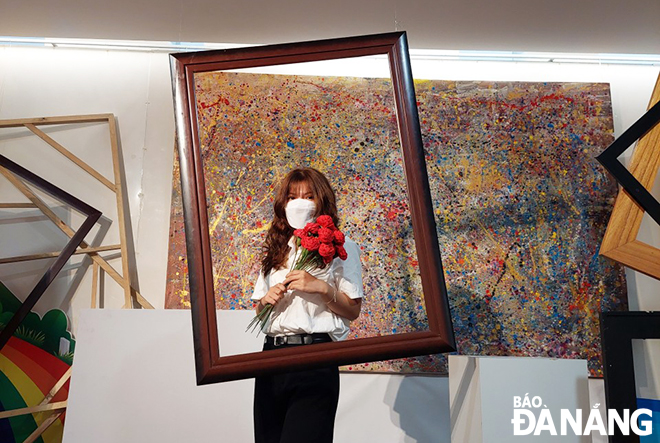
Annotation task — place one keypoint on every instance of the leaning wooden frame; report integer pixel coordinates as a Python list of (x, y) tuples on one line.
[(117, 187), (211, 367)]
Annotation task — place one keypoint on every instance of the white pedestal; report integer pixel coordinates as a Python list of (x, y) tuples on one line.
[(134, 382), (482, 391)]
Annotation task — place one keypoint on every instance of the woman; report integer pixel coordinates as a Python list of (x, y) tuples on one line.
[(309, 307)]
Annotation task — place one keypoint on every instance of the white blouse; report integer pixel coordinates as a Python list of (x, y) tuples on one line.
[(300, 312)]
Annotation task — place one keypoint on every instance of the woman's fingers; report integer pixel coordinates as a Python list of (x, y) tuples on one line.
[(294, 281), (289, 278), (275, 293), (295, 275), (303, 281)]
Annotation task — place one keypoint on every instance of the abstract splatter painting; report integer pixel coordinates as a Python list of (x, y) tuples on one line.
[(520, 203)]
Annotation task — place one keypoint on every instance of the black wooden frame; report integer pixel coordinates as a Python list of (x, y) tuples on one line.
[(92, 215), (609, 159), (618, 329)]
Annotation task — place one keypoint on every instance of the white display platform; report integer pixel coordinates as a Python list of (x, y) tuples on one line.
[(482, 390), (133, 381)]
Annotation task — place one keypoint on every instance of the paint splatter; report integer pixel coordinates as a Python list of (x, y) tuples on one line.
[(520, 204)]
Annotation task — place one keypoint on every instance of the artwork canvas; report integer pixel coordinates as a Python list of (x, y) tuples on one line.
[(520, 204)]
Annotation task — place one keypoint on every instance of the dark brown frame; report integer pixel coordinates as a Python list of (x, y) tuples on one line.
[(211, 367), (92, 215)]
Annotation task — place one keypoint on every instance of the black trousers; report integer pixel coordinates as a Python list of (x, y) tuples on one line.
[(296, 407)]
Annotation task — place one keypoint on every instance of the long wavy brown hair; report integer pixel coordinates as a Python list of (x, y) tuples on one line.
[(276, 248)]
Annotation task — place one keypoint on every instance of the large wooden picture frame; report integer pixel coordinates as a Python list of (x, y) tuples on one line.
[(211, 367), (620, 241)]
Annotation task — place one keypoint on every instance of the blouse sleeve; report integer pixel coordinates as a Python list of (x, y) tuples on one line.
[(348, 273), (260, 287)]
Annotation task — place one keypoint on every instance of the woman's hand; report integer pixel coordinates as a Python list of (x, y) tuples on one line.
[(335, 300), (303, 281), (274, 295)]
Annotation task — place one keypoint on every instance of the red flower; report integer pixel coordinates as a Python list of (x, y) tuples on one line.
[(339, 238), (326, 235), (317, 241), (310, 243), (325, 221), (341, 252), (313, 228), (326, 250)]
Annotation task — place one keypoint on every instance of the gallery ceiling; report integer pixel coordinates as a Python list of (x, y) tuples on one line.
[(600, 26)]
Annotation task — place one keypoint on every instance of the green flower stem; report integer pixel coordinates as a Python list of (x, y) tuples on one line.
[(261, 319)]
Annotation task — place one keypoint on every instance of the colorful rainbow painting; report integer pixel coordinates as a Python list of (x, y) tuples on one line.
[(27, 374), (520, 203)]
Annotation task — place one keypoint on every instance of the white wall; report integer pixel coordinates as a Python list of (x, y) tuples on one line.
[(135, 86), (610, 26)]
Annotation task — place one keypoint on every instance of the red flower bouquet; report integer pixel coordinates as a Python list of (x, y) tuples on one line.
[(319, 243)]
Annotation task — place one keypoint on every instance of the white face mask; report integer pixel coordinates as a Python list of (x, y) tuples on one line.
[(299, 212)]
